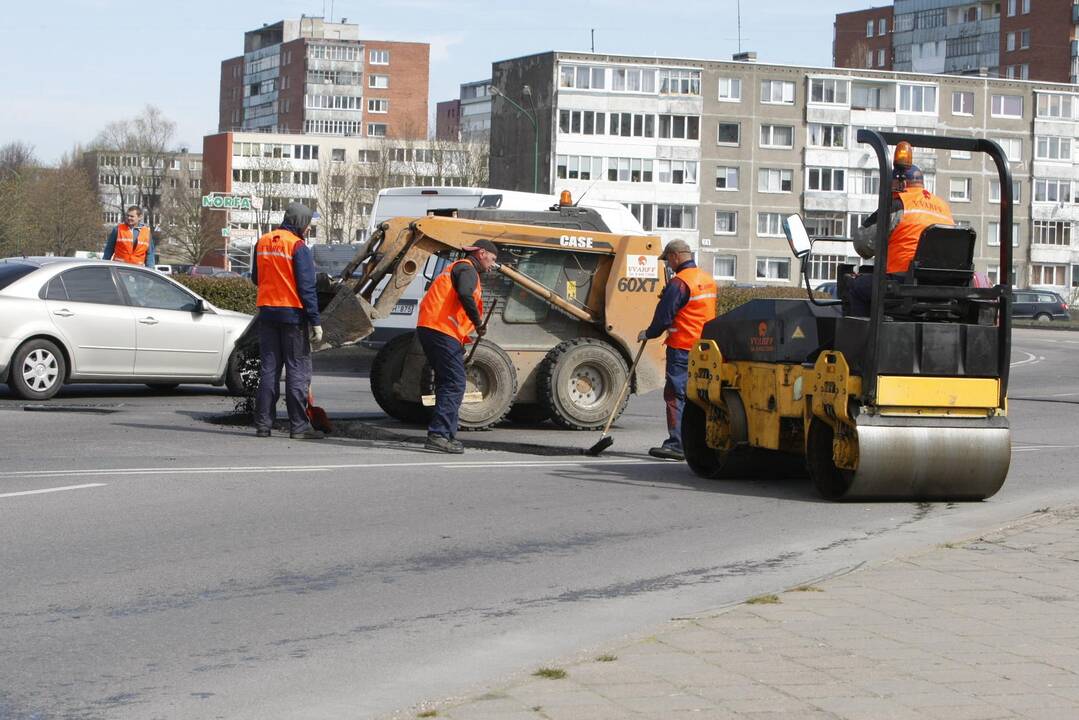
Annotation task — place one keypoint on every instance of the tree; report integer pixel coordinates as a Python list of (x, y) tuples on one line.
[(341, 191), (60, 211), (17, 165), (144, 144), (181, 218)]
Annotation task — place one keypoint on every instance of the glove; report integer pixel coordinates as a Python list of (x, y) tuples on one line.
[(642, 336), (316, 334)]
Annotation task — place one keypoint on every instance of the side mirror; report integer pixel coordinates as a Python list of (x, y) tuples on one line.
[(202, 306), (797, 236)]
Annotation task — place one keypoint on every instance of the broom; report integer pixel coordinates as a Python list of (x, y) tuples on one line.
[(605, 440)]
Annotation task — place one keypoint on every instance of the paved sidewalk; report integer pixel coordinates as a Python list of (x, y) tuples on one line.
[(980, 629)]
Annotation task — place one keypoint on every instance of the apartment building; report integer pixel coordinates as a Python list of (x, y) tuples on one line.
[(468, 117), (338, 177), (314, 76), (1023, 39), (717, 152)]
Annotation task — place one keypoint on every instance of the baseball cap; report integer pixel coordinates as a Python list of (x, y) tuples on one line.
[(676, 246), (482, 245)]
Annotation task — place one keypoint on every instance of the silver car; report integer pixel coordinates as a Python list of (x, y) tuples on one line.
[(65, 320)]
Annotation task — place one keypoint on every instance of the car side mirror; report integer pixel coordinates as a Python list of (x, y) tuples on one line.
[(797, 236), (202, 306)]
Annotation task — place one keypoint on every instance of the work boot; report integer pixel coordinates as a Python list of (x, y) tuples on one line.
[(308, 434), (441, 443), (262, 432), (663, 452)]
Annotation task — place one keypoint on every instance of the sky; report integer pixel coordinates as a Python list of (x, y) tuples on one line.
[(69, 67)]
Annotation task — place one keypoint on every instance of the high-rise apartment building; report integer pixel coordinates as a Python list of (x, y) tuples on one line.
[(468, 117), (314, 76), (717, 152), (1022, 39)]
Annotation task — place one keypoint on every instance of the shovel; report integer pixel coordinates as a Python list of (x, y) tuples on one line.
[(605, 440), (317, 415)]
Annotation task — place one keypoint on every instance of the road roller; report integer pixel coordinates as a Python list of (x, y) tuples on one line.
[(907, 404)]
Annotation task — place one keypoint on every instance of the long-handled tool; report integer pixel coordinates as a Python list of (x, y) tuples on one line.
[(605, 440), (316, 414), (475, 396)]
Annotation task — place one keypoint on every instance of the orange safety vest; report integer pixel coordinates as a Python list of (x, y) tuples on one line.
[(442, 310), (276, 275), (921, 209), (131, 250), (701, 307)]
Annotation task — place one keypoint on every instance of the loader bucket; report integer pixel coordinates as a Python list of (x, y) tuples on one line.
[(346, 319)]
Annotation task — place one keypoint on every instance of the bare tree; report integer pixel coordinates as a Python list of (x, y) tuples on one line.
[(181, 219), (144, 144), (16, 158), (341, 192), (60, 211)]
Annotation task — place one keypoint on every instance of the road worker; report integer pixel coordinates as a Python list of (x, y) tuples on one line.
[(449, 312)]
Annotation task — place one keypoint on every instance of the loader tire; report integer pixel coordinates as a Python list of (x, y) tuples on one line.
[(385, 370), (491, 372), (579, 383)]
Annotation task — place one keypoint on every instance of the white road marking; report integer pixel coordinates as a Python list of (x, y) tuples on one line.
[(1028, 448), (51, 490), (263, 469), (1031, 359)]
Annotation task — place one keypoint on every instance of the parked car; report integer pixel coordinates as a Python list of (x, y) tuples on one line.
[(204, 270), (828, 288), (66, 320), (1041, 305), (164, 269), (219, 273)]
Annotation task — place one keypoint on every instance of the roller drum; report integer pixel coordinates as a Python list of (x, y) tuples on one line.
[(929, 461)]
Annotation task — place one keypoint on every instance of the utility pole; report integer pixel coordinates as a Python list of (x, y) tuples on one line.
[(593, 39), (739, 2)]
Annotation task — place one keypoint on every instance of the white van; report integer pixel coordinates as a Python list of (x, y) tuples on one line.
[(418, 201)]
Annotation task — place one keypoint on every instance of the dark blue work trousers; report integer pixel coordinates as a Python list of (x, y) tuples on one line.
[(674, 394), (446, 356), (283, 345)]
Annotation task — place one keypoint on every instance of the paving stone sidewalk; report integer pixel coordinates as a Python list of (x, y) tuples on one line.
[(978, 629)]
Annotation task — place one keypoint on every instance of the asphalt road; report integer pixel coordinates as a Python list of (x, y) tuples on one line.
[(154, 565)]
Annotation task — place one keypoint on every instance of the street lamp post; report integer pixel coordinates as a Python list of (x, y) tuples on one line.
[(535, 129)]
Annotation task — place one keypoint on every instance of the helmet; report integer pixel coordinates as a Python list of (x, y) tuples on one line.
[(907, 177)]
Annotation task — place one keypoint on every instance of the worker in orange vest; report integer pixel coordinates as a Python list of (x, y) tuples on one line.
[(288, 322), (131, 241), (686, 304), (449, 312), (913, 209)]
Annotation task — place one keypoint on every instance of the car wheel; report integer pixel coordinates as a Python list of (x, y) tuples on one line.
[(241, 377), (38, 370), (1043, 317)]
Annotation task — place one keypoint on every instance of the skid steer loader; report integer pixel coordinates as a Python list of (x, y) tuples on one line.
[(909, 403), (571, 300)]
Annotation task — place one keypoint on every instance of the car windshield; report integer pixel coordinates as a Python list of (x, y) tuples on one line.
[(12, 271)]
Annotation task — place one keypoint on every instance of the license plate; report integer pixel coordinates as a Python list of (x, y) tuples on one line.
[(404, 308)]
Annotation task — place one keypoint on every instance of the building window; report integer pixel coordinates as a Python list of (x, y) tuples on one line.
[(380, 82), (1026, 7), (1011, 8), (376, 129), (825, 179), (676, 217), (994, 191), (959, 189), (770, 224), (829, 91), (1052, 147), (1054, 190), (583, 167), (1055, 106), (1048, 275), (728, 133), (643, 213), (726, 222), (679, 82), (724, 267), (1052, 232), (1007, 106), (773, 269), (1024, 39), (918, 98), (677, 172), (623, 170), (828, 136), (824, 267), (730, 90), (337, 154), (775, 180), (868, 59), (582, 77), (1012, 147), (375, 105), (633, 80), (869, 28), (1009, 42), (780, 92), (777, 136), (584, 122), (379, 57), (726, 178), (880, 57), (679, 127), (865, 182), (962, 103), (1024, 71), (368, 156)]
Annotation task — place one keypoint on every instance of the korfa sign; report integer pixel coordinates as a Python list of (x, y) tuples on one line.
[(225, 201)]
